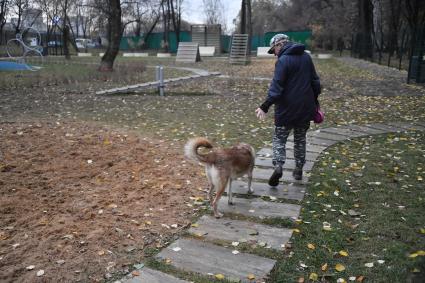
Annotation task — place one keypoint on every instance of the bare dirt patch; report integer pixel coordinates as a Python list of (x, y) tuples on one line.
[(83, 202)]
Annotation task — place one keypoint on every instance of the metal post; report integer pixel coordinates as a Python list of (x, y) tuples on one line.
[(161, 81), (157, 76)]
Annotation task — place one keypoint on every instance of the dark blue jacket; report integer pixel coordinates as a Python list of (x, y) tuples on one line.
[(294, 88)]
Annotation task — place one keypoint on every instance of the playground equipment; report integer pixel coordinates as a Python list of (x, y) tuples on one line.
[(207, 35), (24, 49)]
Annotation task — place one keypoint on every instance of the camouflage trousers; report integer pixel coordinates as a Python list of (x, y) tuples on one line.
[(280, 137)]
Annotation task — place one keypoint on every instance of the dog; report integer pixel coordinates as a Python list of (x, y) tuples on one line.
[(222, 165)]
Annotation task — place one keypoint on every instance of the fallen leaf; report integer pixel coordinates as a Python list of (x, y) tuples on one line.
[(135, 273), (324, 267), (176, 249), (301, 280), (219, 276), (360, 279), (40, 272), (30, 267), (343, 253), (251, 276), (369, 264), (235, 252), (311, 246), (339, 267), (313, 276)]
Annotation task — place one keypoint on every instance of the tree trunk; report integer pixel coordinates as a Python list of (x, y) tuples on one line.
[(364, 34), (249, 24), (114, 36), (243, 17)]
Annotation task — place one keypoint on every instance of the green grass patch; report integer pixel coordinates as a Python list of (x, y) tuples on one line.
[(370, 192)]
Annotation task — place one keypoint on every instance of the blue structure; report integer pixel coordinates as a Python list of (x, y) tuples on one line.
[(13, 66)]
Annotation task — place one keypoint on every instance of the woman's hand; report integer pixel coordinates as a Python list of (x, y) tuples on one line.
[(260, 114)]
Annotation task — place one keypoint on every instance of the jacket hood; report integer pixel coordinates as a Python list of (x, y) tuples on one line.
[(292, 49)]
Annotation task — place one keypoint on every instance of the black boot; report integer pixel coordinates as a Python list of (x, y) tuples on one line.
[(277, 174), (298, 173)]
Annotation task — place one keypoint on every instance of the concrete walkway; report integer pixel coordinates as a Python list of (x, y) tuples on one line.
[(199, 254)]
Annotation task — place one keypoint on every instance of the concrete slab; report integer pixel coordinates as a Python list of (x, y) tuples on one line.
[(205, 258), (343, 131), (289, 163), (321, 142), (241, 231), (148, 275), (259, 208), (384, 127), (267, 152), (282, 191), (366, 130), (264, 174), (326, 136), (405, 126)]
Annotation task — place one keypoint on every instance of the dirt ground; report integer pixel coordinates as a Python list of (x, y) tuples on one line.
[(83, 203)]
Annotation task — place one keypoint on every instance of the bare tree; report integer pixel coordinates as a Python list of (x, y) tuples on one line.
[(3, 14), (214, 12), (114, 33), (19, 7)]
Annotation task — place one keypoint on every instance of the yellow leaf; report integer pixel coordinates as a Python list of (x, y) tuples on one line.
[(219, 276), (135, 273), (251, 276), (343, 253), (339, 267), (413, 255), (296, 230), (325, 267), (421, 253), (148, 222), (422, 230), (195, 225), (313, 276), (311, 246), (167, 261), (416, 270)]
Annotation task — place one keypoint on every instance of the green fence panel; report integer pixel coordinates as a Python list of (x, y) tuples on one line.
[(303, 37), (154, 41)]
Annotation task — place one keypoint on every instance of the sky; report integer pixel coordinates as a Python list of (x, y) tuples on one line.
[(193, 11)]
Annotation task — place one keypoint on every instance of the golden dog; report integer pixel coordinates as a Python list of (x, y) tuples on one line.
[(222, 165)]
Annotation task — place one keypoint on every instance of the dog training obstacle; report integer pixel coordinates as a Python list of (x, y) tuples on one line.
[(188, 52), (239, 49), (157, 83)]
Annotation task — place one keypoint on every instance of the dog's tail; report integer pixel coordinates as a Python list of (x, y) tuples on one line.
[(191, 150)]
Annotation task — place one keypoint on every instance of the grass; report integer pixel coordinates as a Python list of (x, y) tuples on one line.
[(379, 180)]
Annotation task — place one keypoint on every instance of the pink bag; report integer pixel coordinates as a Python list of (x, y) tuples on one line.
[(319, 116)]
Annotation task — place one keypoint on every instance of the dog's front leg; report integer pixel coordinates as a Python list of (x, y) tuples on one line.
[(230, 195), (250, 190)]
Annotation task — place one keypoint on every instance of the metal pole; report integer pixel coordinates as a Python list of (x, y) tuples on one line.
[(157, 76), (161, 81)]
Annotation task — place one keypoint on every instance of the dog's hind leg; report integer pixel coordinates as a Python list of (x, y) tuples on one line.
[(210, 184), (230, 194), (221, 187)]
